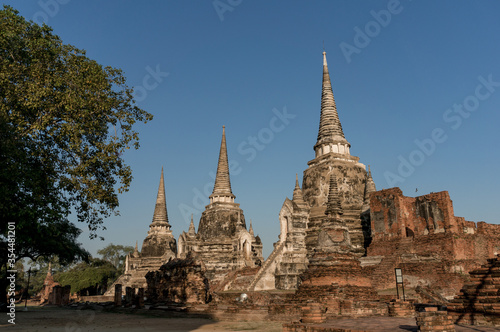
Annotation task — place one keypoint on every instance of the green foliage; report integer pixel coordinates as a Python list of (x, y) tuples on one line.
[(115, 254), (65, 121), (39, 269), (94, 277)]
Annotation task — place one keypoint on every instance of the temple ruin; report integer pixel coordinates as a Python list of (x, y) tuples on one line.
[(158, 247), (339, 243), (222, 242)]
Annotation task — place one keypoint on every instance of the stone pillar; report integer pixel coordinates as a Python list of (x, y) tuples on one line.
[(55, 295), (118, 295), (140, 298), (129, 295)]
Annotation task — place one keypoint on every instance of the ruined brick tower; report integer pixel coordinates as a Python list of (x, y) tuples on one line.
[(332, 156), (223, 242)]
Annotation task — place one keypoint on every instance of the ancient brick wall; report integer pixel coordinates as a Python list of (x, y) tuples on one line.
[(439, 260), (395, 215), (422, 236), (488, 229), (432, 319), (179, 281)]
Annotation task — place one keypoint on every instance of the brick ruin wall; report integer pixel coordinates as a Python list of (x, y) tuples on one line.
[(422, 236), (178, 281)]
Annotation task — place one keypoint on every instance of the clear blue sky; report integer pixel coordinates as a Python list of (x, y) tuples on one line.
[(395, 79)]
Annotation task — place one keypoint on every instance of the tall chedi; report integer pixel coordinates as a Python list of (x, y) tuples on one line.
[(222, 217), (158, 247), (333, 156), (159, 241), (223, 242)]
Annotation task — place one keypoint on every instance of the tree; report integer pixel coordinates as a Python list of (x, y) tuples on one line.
[(65, 121), (91, 278), (115, 254)]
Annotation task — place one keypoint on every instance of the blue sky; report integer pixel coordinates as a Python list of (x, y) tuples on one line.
[(417, 86)]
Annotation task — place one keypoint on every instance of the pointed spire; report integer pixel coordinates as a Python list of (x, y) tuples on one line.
[(191, 230), (136, 250), (330, 129), (160, 214), (222, 187), (298, 198), (250, 229), (333, 206), (370, 184), (369, 188)]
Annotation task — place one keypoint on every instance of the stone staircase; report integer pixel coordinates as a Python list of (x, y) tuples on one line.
[(243, 279), (229, 278), (277, 251), (478, 302)]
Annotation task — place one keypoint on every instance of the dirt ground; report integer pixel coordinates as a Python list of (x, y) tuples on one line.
[(54, 319)]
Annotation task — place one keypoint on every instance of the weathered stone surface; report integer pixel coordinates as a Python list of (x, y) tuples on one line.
[(156, 246), (394, 214), (351, 186), (221, 220), (181, 281)]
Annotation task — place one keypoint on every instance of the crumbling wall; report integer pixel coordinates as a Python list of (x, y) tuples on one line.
[(180, 281), (422, 236), (395, 215)]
